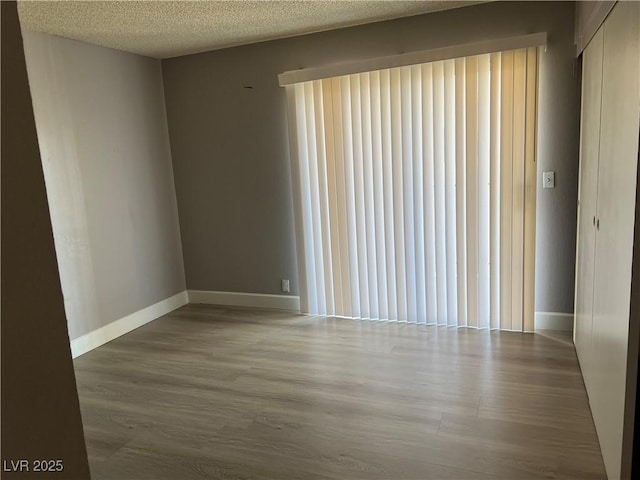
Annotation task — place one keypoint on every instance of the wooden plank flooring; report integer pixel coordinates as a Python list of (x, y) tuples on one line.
[(210, 392)]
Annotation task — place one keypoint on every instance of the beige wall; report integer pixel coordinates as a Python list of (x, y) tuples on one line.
[(103, 135), (230, 148), (40, 411)]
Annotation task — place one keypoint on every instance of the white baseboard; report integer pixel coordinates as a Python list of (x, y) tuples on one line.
[(554, 321), (255, 300), (113, 330)]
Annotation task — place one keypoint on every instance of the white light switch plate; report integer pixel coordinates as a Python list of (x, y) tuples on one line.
[(548, 179)]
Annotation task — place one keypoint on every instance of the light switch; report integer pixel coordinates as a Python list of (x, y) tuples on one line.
[(548, 179)]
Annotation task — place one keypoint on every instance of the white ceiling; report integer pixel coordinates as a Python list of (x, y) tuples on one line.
[(163, 29)]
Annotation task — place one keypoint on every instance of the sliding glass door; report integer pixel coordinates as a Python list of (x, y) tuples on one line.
[(415, 191)]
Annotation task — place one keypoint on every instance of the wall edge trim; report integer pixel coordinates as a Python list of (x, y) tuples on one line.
[(242, 299), (117, 328), (554, 321)]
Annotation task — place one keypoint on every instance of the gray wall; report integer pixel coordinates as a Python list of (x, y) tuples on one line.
[(102, 129), (230, 147), (40, 411)]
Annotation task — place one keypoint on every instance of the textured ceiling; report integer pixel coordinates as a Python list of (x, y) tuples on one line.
[(163, 29)]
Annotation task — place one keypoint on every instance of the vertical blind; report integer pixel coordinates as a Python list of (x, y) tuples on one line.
[(415, 191)]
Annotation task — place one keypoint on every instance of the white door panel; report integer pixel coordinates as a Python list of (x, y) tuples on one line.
[(614, 238), (587, 198)]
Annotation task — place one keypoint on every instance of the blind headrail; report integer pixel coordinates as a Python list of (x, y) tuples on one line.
[(413, 58)]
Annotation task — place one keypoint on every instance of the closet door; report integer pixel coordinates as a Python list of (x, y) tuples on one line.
[(614, 238), (587, 199)]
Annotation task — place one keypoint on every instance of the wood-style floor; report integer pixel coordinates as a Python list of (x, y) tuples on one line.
[(210, 392)]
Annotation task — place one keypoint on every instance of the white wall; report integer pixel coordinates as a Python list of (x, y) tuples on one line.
[(102, 130)]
